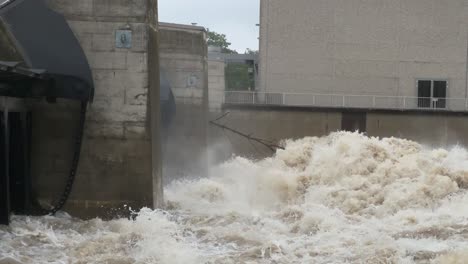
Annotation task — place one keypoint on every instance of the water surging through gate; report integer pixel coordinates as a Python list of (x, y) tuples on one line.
[(344, 198)]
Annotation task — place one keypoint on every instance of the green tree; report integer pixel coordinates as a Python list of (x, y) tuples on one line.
[(251, 52), (238, 77), (219, 40)]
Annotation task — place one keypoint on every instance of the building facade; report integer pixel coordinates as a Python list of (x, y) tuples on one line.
[(415, 50)]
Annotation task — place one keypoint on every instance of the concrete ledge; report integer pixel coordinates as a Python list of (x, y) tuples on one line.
[(104, 19), (338, 109), (181, 27), (120, 8), (101, 10)]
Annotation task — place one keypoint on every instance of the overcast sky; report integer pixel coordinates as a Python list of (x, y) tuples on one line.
[(235, 18)]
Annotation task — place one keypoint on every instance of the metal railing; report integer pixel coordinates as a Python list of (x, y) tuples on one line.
[(346, 101)]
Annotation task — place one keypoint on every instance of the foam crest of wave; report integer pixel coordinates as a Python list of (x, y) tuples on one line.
[(344, 198)]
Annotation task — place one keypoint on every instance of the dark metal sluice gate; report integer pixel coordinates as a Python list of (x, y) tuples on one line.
[(40, 58), (15, 142)]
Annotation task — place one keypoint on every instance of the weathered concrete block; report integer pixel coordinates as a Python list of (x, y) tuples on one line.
[(174, 55), (112, 7), (137, 181), (120, 8), (114, 82), (112, 130), (139, 7), (106, 182), (117, 112), (72, 7), (103, 42), (108, 60), (136, 96), (135, 79), (216, 68), (188, 93), (135, 113), (137, 62), (216, 82), (192, 64), (135, 87), (115, 150), (96, 27), (181, 41), (105, 150), (108, 83), (140, 149), (135, 130), (101, 104), (116, 87), (186, 78), (139, 37)]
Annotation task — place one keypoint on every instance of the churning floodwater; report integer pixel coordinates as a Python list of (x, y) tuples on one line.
[(344, 198)]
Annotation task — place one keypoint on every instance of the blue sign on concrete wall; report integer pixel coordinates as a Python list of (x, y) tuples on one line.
[(123, 39)]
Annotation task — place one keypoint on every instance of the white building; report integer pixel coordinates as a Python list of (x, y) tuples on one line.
[(390, 53)]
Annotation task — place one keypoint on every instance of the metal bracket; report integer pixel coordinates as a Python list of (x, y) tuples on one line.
[(123, 39)]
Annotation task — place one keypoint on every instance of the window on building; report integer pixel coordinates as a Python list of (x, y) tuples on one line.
[(432, 93)]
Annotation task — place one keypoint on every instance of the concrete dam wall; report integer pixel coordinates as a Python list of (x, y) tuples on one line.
[(277, 123), (117, 166)]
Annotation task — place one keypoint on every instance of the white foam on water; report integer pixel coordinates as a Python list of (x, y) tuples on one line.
[(344, 198)]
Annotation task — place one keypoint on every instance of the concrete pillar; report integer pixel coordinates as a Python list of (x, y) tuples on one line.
[(120, 158), (183, 57), (154, 99)]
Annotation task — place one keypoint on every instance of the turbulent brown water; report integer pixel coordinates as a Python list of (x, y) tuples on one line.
[(345, 198)]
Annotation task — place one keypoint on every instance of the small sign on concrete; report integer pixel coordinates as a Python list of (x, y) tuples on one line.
[(123, 39)]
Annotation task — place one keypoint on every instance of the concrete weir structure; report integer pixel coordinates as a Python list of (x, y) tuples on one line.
[(120, 157), (275, 123), (183, 58)]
